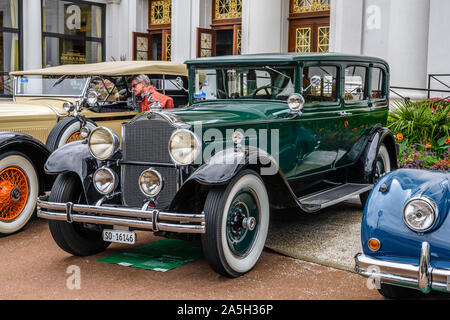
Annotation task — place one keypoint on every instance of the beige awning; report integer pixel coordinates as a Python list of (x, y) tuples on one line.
[(113, 68)]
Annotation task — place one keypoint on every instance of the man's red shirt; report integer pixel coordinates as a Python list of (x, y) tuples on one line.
[(166, 102)]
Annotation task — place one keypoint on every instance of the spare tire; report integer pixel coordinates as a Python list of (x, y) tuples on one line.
[(66, 131)]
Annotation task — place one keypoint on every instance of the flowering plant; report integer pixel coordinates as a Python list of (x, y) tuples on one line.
[(422, 130)]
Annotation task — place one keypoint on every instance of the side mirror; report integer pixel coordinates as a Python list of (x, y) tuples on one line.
[(296, 103), (315, 81), (179, 82)]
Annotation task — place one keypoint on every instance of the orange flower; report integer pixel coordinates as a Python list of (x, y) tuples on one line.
[(447, 141), (399, 137), (428, 146)]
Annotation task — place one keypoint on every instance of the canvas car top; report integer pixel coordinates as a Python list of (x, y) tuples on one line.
[(111, 68)]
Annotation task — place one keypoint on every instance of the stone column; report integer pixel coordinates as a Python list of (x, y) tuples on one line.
[(264, 26), (396, 31), (122, 19), (32, 35), (408, 44), (439, 45), (346, 19), (187, 16)]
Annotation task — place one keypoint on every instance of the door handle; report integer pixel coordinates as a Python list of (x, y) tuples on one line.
[(345, 113)]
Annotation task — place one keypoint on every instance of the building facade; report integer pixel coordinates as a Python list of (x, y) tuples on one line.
[(410, 34)]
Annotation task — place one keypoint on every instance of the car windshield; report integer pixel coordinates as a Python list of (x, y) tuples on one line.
[(50, 86), (272, 83)]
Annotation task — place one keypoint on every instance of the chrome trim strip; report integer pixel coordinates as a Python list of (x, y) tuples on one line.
[(123, 217), (422, 277)]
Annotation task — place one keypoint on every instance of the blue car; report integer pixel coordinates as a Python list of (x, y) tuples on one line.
[(405, 233)]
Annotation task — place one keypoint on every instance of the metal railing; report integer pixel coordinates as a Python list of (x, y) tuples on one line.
[(435, 77), (428, 89)]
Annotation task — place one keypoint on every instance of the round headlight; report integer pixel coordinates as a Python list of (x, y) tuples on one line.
[(150, 183), (92, 98), (184, 147), (105, 180), (420, 214), (103, 143), (68, 106)]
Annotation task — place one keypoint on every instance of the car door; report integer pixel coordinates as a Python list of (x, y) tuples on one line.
[(316, 129), (364, 107)]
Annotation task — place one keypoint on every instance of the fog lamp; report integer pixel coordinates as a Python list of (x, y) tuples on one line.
[(105, 180), (150, 183)]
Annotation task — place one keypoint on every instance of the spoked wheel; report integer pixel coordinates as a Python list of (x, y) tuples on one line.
[(73, 238), (382, 166), (66, 131), (237, 223), (19, 189)]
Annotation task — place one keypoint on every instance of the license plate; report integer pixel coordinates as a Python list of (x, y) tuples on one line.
[(119, 236)]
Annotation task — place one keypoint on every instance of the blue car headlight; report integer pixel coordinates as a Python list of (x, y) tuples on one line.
[(420, 214)]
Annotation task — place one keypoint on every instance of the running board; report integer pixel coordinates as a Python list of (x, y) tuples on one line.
[(323, 199)]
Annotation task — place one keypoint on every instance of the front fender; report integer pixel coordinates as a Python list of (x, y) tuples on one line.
[(75, 157), (365, 166), (224, 166), (35, 150)]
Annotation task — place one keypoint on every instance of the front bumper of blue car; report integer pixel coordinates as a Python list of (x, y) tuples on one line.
[(421, 276)]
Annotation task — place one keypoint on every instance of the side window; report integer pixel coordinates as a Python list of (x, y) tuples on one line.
[(355, 83), (319, 83), (378, 83)]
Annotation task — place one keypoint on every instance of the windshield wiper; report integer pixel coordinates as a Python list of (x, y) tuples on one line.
[(59, 81)]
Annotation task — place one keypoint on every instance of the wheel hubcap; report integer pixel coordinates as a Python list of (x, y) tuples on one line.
[(13, 193), (242, 222)]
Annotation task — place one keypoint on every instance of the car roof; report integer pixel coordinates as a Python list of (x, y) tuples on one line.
[(111, 68), (284, 58)]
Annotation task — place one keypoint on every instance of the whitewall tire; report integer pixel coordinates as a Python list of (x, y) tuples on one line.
[(237, 223), (19, 190)]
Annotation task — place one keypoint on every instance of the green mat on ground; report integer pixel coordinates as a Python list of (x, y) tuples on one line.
[(162, 255)]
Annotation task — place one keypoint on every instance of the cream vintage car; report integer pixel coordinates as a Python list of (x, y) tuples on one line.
[(58, 105)]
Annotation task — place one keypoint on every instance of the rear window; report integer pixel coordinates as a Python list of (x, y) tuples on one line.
[(377, 86)]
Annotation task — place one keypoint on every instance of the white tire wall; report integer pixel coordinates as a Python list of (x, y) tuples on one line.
[(21, 162)]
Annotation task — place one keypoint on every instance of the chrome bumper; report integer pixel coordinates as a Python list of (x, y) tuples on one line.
[(422, 276), (151, 219)]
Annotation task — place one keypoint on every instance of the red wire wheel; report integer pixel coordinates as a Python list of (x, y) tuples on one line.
[(13, 193), (75, 137)]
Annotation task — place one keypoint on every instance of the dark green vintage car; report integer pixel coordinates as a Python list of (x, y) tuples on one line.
[(260, 132)]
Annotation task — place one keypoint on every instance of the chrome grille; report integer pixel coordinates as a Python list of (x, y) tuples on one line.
[(147, 141)]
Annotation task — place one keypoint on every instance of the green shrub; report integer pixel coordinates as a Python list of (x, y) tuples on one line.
[(424, 122), (422, 129)]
